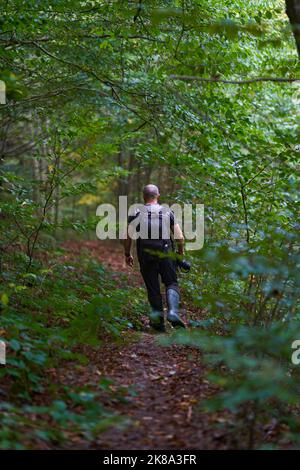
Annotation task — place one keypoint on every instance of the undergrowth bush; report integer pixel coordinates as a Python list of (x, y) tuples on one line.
[(48, 317)]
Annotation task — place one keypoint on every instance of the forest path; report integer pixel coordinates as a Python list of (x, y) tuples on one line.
[(168, 384), (163, 385)]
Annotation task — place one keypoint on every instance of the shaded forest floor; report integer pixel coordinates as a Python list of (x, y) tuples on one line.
[(85, 371), (161, 386)]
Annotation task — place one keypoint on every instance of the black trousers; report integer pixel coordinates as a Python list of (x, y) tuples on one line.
[(151, 268)]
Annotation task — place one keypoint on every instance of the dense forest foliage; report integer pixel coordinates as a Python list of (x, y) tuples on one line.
[(200, 97)]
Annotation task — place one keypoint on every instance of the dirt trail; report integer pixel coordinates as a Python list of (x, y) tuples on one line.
[(164, 413), (165, 385)]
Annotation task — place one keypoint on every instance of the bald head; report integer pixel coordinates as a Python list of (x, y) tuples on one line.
[(150, 193)]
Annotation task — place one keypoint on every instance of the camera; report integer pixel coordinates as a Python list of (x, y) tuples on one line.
[(184, 266)]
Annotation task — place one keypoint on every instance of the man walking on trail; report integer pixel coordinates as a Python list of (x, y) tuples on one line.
[(156, 228)]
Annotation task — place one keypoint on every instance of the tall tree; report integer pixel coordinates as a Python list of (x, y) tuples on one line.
[(293, 12)]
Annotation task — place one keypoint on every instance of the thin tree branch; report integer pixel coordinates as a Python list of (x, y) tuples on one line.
[(82, 68), (25, 42), (188, 78)]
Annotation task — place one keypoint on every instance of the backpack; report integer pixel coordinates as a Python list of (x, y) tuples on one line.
[(155, 227)]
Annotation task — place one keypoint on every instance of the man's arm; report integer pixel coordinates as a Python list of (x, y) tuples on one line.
[(179, 239), (127, 248)]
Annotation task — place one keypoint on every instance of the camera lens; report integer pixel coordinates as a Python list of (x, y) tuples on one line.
[(184, 266)]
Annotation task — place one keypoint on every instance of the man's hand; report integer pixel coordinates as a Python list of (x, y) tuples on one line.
[(129, 260)]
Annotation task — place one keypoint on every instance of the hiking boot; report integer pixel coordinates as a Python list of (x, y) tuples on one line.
[(157, 321), (173, 308)]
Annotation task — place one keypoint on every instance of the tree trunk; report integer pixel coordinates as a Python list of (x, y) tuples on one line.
[(293, 12), (56, 205)]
